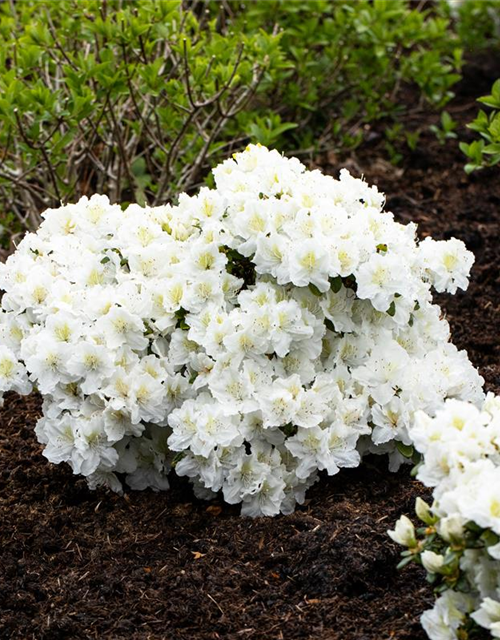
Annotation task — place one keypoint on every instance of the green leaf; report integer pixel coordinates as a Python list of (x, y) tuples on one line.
[(490, 101), (329, 325), (494, 127), (180, 314), (464, 147), (177, 458), (405, 450), (490, 538), (470, 167), (404, 562), (286, 126), (335, 284), (473, 527), (289, 429), (314, 289), (492, 149), (447, 121)]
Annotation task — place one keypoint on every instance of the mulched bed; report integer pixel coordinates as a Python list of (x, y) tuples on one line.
[(81, 564)]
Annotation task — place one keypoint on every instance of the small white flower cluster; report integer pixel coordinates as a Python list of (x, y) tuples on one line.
[(252, 335), (461, 460)]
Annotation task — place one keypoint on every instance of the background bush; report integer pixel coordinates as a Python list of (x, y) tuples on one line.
[(124, 98), (136, 99), (485, 152), (477, 22), (352, 64)]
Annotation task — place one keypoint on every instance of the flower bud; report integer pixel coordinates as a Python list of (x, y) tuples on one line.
[(423, 511), (451, 528), (404, 532), (432, 561)]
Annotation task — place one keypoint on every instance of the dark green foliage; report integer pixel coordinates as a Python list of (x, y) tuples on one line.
[(477, 22), (485, 152), (446, 129), (131, 99), (138, 98), (350, 64)]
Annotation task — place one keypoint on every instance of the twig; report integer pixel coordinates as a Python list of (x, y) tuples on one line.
[(40, 148)]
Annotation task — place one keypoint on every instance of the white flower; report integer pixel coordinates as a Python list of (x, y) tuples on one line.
[(278, 325), (60, 436), (448, 263), (117, 424), (404, 532), (391, 421), (281, 401), (92, 363), (245, 341), (48, 366), (347, 255), (120, 328), (206, 257), (451, 528), (204, 290), (64, 327), (245, 479), (379, 279), (267, 500), (215, 430), (488, 616), (271, 256), (92, 449), (484, 506), (288, 327), (309, 264), (433, 562), (382, 370), (184, 423), (147, 398), (13, 375), (448, 614), (232, 391)]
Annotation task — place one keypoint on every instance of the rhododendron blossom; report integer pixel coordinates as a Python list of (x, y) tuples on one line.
[(460, 544), (249, 337)]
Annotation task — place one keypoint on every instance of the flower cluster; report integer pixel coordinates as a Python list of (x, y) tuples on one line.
[(251, 336), (460, 545)]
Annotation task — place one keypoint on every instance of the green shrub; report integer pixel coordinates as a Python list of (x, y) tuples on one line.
[(352, 63), (446, 128), (477, 22), (135, 98), (129, 98), (485, 152)]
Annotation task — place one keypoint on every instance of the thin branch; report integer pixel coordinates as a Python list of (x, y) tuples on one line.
[(43, 151)]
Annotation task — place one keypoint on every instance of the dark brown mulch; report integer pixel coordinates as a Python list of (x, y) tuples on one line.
[(81, 564), (78, 564)]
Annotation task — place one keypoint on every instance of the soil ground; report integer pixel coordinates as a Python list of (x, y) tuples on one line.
[(77, 564)]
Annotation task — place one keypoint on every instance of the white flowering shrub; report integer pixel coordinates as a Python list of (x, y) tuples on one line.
[(251, 336), (459, 544)]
